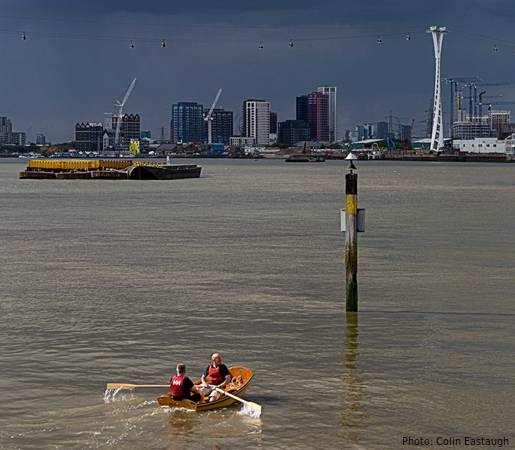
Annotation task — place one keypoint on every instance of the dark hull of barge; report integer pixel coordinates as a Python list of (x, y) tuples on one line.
[(139, 172)]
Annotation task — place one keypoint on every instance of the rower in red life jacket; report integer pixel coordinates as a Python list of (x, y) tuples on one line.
[(216, 375), (182, 387)]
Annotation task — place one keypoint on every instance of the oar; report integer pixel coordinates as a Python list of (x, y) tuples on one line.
[(134, 386), (254, 407)]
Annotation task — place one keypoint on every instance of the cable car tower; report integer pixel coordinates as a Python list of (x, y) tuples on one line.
[(437, 131)]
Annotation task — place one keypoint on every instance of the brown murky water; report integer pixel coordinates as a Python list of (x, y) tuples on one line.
[(117, 281)]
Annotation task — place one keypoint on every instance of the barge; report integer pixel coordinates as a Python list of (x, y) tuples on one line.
[(305, 158), (107, 169)]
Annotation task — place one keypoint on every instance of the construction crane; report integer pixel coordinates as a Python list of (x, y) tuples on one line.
[(209, 118), (481, 96), (506, 83), (478, 99), (503, 102), (454, 83), (119, 115)]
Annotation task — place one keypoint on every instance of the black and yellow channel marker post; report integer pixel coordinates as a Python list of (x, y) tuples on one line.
[(352, 222)]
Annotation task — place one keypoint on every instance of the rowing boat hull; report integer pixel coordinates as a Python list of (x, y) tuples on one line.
[(246, 375)]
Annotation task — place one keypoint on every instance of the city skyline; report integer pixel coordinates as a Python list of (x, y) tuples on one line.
[(51, 81)]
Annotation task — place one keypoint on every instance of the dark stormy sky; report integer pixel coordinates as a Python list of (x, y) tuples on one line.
[(77, 58)]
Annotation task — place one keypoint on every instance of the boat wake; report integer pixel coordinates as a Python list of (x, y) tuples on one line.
[(246, 411), (110, 395)]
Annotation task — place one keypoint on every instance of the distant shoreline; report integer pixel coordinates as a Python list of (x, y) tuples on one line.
[(495, 158)]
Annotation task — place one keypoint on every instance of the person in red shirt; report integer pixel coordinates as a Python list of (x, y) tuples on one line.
[(216, 375), (182, 387)]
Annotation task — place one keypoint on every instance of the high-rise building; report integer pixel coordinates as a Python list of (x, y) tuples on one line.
[(459, 112), (256, 120), (382, 130), (221, 126), (369, 130), (273, 127), (6, 129), (499, 120), (89, 137), (330, 91), (471, 130), (108, 120), (187, 123), (146, 134), (318, 116), (40, 139), (8, 136), (130, 128), (18, 138), (273, 122), (302, 108), (359, 133), (363, 131), (293, 131)]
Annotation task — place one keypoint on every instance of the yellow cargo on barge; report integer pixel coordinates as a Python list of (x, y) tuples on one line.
[(86, 164), (114, 169)]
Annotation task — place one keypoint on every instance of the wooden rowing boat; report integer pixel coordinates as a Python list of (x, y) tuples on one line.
[(241, 377)]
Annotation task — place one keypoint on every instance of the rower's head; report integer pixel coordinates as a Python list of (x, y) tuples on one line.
[(216, 359), (181, 369)]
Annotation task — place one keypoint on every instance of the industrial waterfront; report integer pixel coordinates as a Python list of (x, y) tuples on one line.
[(119, 281)]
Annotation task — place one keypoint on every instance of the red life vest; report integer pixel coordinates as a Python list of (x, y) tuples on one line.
[(214, 376), (177, 386)]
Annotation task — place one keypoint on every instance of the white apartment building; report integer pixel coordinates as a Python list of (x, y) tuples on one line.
[(333, 116), (480, 145), (256, 120)]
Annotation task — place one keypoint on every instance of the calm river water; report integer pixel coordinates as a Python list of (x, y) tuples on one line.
[(109, 281)]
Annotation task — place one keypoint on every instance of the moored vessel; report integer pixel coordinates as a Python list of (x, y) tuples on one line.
[(73, 169)]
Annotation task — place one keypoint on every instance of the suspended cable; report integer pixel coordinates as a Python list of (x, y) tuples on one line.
[(482, 37), (162, 40), (24, 34)]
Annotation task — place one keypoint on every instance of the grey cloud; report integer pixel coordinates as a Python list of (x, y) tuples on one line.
[(52, 82)]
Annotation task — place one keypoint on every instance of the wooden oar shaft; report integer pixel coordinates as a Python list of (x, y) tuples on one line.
[(134, 386), (254, 406), (151, 385), (231, 395)]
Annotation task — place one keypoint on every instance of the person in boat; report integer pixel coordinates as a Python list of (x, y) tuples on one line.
[(215, 376), (182, 387)]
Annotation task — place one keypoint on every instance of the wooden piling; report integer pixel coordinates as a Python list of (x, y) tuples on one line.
[(351, 240)]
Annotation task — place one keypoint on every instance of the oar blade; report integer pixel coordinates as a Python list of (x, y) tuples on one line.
[(252, 408), (249, 407)]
